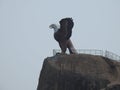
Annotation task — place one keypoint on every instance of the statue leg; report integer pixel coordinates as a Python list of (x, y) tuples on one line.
[(63, 46), (71, 48)]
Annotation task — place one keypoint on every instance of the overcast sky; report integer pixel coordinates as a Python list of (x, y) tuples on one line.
[(25, 37)]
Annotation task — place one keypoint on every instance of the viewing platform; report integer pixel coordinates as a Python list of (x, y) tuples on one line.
[(102, 53)]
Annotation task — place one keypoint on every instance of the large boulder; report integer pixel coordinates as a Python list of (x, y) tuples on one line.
[(79, 72)]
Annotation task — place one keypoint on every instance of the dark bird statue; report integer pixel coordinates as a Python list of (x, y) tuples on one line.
[(63, 33)]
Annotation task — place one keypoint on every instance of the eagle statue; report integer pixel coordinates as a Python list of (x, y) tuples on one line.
[(62, 34)]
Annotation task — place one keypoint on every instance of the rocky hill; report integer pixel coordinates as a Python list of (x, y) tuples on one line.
[(79, 72)]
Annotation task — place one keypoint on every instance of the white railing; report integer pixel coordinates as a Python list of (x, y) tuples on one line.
[(112, 55), (106, 53)]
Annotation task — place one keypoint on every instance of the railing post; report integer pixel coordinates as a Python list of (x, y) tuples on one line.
[(54, 52)]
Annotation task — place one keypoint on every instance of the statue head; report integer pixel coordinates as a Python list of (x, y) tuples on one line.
[(66, 22)]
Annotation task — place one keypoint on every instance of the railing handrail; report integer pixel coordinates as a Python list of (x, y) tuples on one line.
[(106, 53)]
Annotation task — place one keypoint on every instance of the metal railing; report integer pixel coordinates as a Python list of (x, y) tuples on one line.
[(112, 55), (106, 53)]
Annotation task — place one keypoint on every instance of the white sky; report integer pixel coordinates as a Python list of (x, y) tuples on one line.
[(25, 38)]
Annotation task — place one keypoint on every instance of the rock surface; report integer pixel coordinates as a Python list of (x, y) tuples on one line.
[(79, 72)]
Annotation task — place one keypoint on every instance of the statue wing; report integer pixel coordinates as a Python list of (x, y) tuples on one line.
[(69, 27), (66, 25)]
